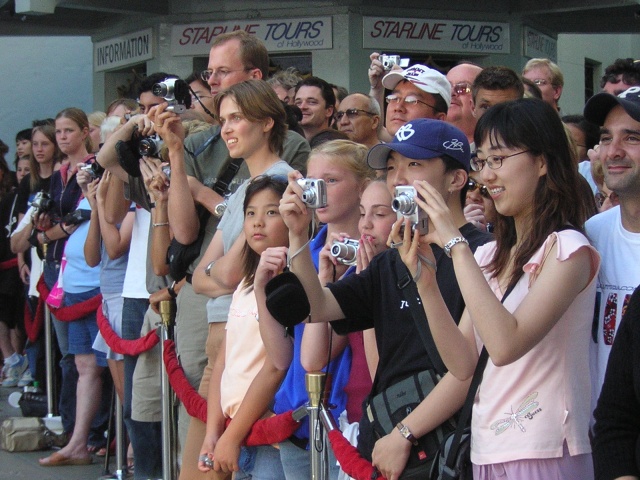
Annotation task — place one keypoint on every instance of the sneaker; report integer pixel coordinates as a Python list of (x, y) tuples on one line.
[(14, 372), (26, 379)]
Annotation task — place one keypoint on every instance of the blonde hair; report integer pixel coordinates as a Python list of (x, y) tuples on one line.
[(96, 118), (352, 155), (557, 79)]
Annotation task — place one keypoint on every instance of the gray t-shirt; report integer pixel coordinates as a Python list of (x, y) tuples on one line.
[(231, 226)]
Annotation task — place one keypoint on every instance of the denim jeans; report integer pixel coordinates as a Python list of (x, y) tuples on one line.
[(259, 463), (146, 437), (296, 462)]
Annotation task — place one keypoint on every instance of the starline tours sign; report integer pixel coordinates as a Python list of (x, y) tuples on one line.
[(396, 34), (278, 35)]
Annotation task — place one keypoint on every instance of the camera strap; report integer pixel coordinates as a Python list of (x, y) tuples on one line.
[(221, 187)]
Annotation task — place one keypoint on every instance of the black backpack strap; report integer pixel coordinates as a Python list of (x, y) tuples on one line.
[(465, 413), (406, 284)]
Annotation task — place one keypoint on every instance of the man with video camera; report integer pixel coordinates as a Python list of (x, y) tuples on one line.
[(120, 155)]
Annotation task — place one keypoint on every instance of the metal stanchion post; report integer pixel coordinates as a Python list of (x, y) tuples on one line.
[(316, 384), (49, 353), (169, 425), (52, 411)]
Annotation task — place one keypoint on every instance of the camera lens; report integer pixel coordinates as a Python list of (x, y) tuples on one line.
[(160, 89), (404, 204), (309, 197)]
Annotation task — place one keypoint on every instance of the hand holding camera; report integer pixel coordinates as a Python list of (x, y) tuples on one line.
[(299, 199), (405, 206)]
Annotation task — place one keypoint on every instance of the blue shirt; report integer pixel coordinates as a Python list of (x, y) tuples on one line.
[(292, 393), (78, 277)]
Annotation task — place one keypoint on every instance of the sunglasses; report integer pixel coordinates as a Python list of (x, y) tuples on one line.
[(352, 113), (462, 88), (472, 186), (601, 197)]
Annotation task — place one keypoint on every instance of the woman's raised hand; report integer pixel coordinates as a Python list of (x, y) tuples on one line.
[(293, 210)]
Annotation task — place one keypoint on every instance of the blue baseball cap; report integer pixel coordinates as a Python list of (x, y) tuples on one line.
[(599, 106), (422, 139)]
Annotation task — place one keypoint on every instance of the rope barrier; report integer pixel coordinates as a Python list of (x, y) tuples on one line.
[(122, 346), (265, 431)]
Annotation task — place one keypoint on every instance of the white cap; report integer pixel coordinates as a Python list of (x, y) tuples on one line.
[(425, 78)]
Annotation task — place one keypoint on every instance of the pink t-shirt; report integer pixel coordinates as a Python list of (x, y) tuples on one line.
[(528, 409), (245, 353)]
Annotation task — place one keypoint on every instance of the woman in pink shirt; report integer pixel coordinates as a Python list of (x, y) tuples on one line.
[(532, 410)]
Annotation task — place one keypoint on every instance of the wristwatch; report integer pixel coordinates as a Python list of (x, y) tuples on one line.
[(172, 290), (219, 209), (453, 242), (406, 433), (207, 270)]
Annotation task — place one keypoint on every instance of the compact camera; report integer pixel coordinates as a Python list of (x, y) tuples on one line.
[(150, 146), (405, 206), (175, 92), (77, 217), (94, 169), (314, 192), (345, 252), (166, 169), (42, 203), (388, 61)]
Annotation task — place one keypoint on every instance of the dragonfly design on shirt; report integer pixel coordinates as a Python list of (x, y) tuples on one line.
[(514, 419)]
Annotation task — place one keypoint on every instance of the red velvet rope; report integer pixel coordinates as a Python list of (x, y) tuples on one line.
[(72, 312), (7, 264), (350, 460), (266, 431), (126, 347), (195, 405)]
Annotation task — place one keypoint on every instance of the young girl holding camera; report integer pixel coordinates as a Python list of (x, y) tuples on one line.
[(244, 380), (341, 165)]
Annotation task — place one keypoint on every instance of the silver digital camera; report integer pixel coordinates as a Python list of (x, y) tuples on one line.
[(345, 252), (175, 92), (314, 192), (388, 61), (405, 206)]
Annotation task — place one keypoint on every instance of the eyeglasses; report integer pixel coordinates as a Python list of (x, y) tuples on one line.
[(197, 98), (602, 196), (462, 88), (352, 113), (541, 82), (409, 100), (220, 73), (493, 161), (472, 186)]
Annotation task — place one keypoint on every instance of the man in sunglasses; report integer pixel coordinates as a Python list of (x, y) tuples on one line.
[(359, 118), (460, 114)]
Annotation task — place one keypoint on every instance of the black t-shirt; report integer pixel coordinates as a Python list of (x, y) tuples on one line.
[(9, 221), (373, 299), (26, 194)]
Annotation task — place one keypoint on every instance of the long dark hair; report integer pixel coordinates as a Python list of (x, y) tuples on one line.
[(533, 125), (250, 259), (48, 131)]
